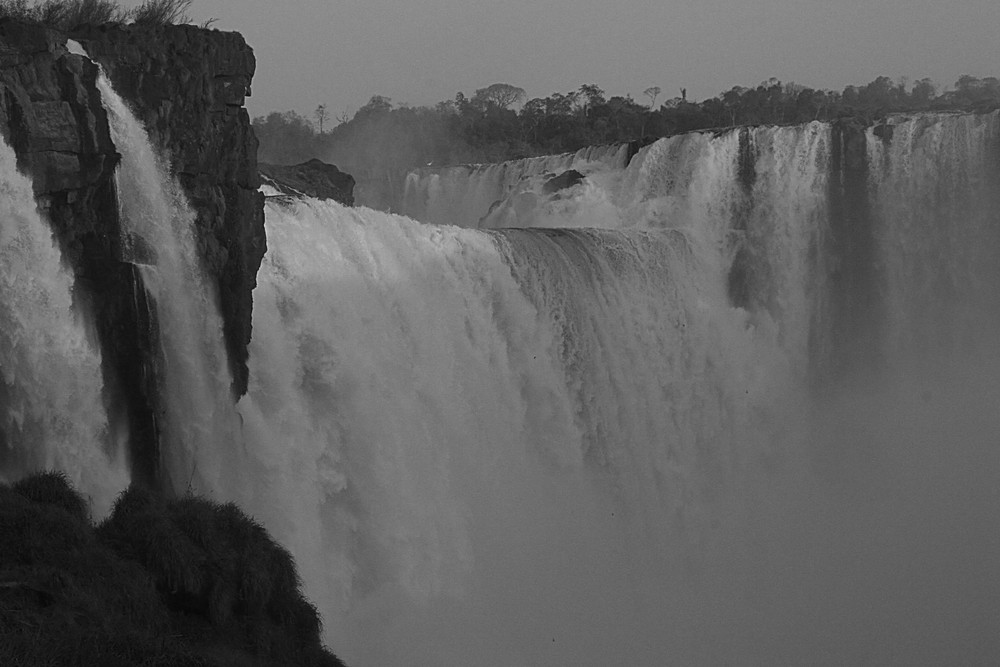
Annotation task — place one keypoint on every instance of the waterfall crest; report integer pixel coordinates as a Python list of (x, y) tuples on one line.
[(504, 194)]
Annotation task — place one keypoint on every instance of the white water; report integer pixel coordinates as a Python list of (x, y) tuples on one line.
[(52, 414), (464, 448), (567, 447), (937, 192), (552, 446), (505, 194), (200, 427)]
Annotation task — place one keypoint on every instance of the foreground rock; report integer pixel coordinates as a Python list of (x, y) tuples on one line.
[(184, 582), (567, 179)]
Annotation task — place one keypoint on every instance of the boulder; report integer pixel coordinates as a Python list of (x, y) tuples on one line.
[(567, 179), (314, 178)]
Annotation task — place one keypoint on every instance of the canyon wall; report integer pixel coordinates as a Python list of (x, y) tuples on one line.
[(188, 86)]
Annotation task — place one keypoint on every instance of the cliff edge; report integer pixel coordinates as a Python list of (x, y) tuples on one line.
[(187, 85)]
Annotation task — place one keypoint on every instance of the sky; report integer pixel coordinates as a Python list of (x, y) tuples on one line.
[(419, 52)]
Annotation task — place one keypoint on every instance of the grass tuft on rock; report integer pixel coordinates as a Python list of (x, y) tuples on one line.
[(161, 12), (74, 14)]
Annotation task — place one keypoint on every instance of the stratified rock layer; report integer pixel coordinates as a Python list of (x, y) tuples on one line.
[(187, 85)]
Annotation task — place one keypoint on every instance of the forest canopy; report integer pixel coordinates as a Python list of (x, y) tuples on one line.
[(487, 126)]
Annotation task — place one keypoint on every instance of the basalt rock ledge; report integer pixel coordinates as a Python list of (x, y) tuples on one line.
[(187, 85)]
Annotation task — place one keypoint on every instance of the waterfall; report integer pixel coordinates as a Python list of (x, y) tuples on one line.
[(618, 442), (52, 413), (433, 408), (201, 429), (935, 184), (504, 194), (632, 421)]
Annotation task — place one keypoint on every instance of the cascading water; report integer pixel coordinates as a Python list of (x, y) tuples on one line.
[(50, 396), (201, 430), (609, 446), (936, 190), (586, 446), (505, 194), (440, 412)]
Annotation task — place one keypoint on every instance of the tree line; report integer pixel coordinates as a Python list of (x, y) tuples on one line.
[(488, 126)]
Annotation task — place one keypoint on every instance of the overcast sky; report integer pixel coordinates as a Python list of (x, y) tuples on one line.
[(312, 52)]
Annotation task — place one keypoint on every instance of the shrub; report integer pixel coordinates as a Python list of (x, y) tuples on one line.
[(140, 528), (52, 488), (159, 582), (37, 532), (161, 12), (73, 14), (65, 14), (212, 561)]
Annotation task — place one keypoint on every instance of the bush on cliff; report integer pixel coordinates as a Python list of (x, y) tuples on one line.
[(73, 14), (161, 12), (160, 582), (52, 488)]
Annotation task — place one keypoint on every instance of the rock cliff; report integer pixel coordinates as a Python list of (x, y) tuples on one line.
[(188, 86)]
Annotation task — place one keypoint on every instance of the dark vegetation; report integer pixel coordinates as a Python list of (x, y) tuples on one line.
[(159, 582), (74, 14), (487, 128)]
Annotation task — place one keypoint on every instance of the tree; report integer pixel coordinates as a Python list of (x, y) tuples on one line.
[(923, 91), (970, 89), (321, 116), (499, 95), (652, 92), (378, 104), (592, 96), (285, 138)]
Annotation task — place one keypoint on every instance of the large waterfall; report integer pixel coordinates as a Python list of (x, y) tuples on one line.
[(735, 402), (683, 438)]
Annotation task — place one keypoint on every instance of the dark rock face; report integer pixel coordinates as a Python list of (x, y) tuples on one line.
[(567, 179), (314, 178), (51, 114), (187, 85)]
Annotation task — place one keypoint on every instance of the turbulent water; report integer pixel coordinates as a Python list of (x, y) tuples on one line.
[(656, 442), (727, 404), (508, 194), (51, 413)]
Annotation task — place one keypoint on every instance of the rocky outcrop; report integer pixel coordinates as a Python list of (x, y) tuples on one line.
[(314, 178), (567, 179), (51, 113), (187, 85)]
